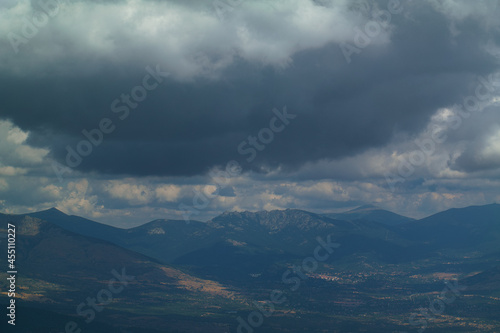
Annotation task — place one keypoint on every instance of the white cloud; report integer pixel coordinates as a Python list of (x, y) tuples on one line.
[(461, 9), (16, 135), (77, 198), (134, 194), (491, 149), (3, 186), (15, 153), (167, 192), (188, 42), (11, 171)]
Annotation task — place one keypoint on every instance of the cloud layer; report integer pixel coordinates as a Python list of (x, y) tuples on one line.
[(364, 83)]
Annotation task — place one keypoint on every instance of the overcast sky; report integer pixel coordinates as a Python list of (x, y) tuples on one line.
[(122, 110)]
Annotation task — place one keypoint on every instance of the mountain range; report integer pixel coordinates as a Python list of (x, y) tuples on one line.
[(202, 276)]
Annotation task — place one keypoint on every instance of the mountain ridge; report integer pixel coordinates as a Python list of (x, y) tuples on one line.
[(371, 213), (202, 268)]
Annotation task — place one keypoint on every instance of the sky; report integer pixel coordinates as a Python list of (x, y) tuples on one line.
[(126, 111)]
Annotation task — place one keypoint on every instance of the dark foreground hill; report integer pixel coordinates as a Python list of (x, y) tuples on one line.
[(59, 270)]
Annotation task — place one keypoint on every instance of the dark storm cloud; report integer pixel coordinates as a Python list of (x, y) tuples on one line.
[(186, 126)]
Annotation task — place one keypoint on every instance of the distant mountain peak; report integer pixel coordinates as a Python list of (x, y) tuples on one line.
[(263, 214), (273, 221), (52, 210), (371, 213), (365, 207)]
